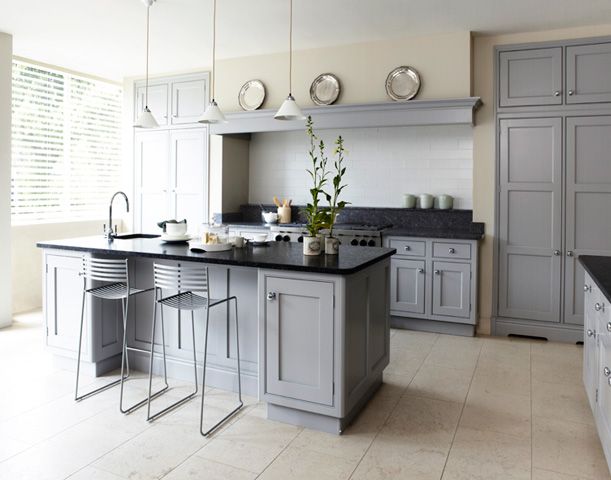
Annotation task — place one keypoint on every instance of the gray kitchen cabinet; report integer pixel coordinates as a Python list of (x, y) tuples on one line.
[(588, 203), (157, 101), (588, 73), (451, 289), (530, 218), (592, 333), (433, 284), (189, 98), (407, 293), (299, 326), (530, 77)]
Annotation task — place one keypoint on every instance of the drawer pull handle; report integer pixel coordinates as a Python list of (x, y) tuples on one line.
[(599, 306), (606, 371), (407, 248), (421, 270), (590, 333), (451, 250), (271, 296)]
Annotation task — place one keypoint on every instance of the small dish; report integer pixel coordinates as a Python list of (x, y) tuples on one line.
[(260, 237), (211, 247), (252, 95), (403, 83), (174, 238), (325, 89)]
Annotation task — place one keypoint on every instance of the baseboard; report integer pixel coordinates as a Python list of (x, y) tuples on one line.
[(555, 333), (434, 326)]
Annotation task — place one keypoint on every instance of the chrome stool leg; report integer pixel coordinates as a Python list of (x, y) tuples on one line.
[(237, 338), (176, 404)]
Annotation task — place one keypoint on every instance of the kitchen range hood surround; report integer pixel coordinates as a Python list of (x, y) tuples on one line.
[(452, 111)]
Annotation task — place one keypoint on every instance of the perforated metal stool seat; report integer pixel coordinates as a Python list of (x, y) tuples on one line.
[(115, 291), (187, 280)]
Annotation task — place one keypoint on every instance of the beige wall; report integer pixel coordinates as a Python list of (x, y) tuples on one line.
[(484, 144), (6, 56)]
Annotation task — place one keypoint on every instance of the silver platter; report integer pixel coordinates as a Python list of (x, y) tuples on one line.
[(252, 95), (403, 83), (325, 89)]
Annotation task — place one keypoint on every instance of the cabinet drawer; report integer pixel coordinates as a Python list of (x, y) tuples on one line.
[(413, 248), (451, 250)]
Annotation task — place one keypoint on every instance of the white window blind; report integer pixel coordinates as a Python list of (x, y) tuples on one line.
[(66, 145)]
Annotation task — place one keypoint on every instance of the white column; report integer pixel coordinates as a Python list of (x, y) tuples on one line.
[(6, 59)]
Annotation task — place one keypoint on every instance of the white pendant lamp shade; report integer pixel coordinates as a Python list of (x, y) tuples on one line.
[(213, 113), (289, 110), (146, 120)]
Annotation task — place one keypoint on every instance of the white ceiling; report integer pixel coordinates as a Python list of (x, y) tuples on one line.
[(106, 37)]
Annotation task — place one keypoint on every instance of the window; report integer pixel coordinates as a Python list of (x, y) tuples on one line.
[(66, 145)]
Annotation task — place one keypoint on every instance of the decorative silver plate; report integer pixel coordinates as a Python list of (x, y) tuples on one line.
[(403, 83), (252, 95), (325, 89)]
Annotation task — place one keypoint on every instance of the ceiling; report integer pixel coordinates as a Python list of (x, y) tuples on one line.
[(106, 37)]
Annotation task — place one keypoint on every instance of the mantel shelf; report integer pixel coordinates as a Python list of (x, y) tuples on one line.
[(396, 114)]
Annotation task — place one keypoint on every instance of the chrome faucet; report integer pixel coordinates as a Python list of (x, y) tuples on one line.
[(108, 231)]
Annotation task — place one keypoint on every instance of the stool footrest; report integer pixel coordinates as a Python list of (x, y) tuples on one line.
[(176, 404), (97, 390), (222, 421)]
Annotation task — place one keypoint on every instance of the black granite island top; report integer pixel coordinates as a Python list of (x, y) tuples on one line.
[(599, 268), (277, 255)]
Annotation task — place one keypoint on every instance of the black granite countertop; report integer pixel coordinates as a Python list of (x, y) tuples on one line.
[(277, 255), (475, 232), (599, 269)]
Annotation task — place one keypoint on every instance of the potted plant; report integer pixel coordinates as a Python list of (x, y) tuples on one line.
[(335, 204), (317, 217)]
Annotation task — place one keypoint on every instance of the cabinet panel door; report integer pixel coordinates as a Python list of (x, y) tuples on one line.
[(530, 77), (603, 382), (157, 102), (189, 153), (451, 289), (530, 234), (299, 339), (590, 342), (407, 285), (588, 203), (588, 73), (151, 174), (189, 100)]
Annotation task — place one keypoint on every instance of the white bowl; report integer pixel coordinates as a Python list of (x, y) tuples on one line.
[(270, 217), (260, 237), (175, 229)]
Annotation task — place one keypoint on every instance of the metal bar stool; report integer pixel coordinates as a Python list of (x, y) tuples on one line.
[(114, 273), (187, 280)]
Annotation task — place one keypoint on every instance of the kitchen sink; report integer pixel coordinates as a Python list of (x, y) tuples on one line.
[(133, 236)]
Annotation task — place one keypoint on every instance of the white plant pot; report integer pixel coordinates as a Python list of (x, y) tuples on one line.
[(331, 246), (311, 246), (321, 237)]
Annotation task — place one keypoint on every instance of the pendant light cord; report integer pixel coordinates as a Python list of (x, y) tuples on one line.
[(291, 48), (146, 87), (213, 83)]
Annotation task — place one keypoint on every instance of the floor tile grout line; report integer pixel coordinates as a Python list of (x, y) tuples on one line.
[(445, 464), (280, 453)]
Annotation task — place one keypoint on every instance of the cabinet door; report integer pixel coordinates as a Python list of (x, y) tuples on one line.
[(63, 287), (530, 233), (157, 102), (299, 322), (588, 203), (189, 153), (530, 77), (151, 179), (189, 100), (603, 382), (590, 342), (407, 285), (588, 73), (451, 289)]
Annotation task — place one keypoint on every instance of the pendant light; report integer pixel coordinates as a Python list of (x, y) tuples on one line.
[(213, 113), (146, 119), (289, 110)]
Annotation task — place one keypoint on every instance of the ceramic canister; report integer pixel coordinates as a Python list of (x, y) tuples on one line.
[(445, 202), (426, 200), (409, 200)]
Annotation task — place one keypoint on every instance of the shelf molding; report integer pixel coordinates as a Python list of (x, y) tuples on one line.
[(453, 111)]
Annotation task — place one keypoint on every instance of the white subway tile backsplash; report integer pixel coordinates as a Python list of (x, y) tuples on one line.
[(383, 164)]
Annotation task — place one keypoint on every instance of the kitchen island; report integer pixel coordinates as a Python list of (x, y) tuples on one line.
[(314, 331)]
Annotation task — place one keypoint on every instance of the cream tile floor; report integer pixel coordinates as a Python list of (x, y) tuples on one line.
[(450, 408)]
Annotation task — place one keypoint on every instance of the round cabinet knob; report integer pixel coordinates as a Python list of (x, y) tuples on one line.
[(557, 93), (586, 288), (590, 333), (420, 270), (609, 381), (598, 307), (571, 92), (557, 252), (606, 371), (407, 248), (437, 272), (271, 296), (569, 253), (451, 250), (609, 327)]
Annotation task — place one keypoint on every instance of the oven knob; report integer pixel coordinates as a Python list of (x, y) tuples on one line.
[(278, 238), (286, 238), (354, 242), (363, 243), (300, 239), (372, 243)]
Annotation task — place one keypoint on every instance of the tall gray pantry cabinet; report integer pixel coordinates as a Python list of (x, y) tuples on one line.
[(553, 120)]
